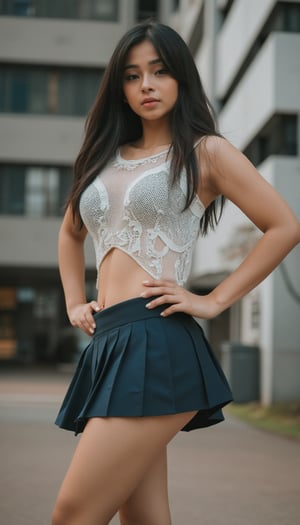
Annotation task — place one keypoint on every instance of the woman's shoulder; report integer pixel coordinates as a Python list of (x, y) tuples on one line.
[(218, 159), (212, 144), (214, 150)]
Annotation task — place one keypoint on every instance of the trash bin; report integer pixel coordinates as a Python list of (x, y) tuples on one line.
[(241, 367)]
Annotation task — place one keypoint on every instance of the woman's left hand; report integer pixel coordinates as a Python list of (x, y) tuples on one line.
[(177, 298)]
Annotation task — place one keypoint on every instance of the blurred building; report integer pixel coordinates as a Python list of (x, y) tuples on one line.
[(52, 55), (248, 55)]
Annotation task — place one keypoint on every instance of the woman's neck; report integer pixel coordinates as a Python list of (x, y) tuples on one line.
[(155, 136)]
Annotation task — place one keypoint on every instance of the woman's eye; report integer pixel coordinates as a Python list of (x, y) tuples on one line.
[(161, 72), (131, 77)]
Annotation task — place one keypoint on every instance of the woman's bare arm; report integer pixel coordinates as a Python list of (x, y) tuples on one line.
[(232, 175), (72, 272), (236, 178)]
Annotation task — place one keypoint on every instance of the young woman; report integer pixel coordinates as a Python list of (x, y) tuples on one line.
[(147, 179)]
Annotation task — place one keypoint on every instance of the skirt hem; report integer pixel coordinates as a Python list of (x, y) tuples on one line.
[(203, 418)]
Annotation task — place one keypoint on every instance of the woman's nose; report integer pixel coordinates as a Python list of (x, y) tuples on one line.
[(146, 83)]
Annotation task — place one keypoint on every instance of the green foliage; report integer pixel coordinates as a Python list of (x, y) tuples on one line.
[(281, 418)]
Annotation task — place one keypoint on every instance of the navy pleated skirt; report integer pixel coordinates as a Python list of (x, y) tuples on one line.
[(142, 364)]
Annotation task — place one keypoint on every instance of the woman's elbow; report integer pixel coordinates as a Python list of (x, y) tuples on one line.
[(293, 233)]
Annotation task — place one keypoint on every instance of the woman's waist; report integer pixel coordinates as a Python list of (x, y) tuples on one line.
[(120, 278), (130, 311), (121, 286)]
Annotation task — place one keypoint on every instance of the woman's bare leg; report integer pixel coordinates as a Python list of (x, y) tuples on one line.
[(112, 457), (149, 503)]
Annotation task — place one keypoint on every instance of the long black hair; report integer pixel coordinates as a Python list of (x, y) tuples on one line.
[(111, 122)]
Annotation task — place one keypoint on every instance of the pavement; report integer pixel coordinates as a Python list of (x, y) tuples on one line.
[(230, 474)]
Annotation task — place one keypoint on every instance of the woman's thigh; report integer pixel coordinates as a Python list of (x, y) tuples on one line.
[(111, 459), (149, 503)]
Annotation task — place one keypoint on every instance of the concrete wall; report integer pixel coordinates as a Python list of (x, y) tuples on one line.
[(40, 138), (184, 20), (271, 84), (286, 307), (62, 42), (33, 242), (280, 313), (240, 29)]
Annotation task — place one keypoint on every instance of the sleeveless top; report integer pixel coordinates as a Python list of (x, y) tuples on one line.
[(134, 206)]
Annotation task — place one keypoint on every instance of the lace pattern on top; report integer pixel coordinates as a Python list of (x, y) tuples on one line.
[(133, 205), (130, 165)]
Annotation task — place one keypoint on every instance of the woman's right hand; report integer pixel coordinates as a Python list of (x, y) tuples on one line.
[(81, 316)]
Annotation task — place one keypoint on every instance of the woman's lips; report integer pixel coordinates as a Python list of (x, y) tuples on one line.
[(149, 102)]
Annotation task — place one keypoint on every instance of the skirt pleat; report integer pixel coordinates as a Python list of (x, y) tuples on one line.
[(140, 364)]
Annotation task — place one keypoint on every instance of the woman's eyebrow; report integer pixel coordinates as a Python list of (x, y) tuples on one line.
[(151, 63)]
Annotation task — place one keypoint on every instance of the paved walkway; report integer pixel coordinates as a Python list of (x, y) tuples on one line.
[(230, 474)]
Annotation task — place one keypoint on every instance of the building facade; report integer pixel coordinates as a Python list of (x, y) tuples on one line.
[(248, 57), (52, 55)]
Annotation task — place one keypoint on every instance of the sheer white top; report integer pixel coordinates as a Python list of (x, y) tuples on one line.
[(132, 205)]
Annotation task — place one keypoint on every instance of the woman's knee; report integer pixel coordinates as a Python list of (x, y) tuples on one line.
[(68, 511), (64, 512)]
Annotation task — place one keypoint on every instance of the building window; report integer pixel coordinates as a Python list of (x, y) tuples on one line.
[(34, 191), (8, 343), (107, 10), (47, 90), (277, 137), (286, 17), (147, 9)]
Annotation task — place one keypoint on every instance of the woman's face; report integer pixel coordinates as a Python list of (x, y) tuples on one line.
[(148, 87)]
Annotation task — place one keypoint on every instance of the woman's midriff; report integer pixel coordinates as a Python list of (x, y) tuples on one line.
[(120, 278)]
